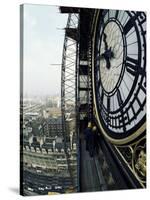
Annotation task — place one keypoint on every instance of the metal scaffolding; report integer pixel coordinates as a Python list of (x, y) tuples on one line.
[(68, 78), (69, 84)]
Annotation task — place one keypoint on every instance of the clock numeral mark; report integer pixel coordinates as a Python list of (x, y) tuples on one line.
[(122, 115), (128, 26), (116, 15), (119, 98), (108, 104), (140, 104), (131, 65), (132, 60), (112, 121), (134, 114), (128, 117), (115, 122)]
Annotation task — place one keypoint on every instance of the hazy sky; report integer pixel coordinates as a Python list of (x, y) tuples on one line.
[(43, 45)]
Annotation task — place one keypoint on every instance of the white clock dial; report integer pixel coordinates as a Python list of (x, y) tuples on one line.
[(119, 73), (110, 74)]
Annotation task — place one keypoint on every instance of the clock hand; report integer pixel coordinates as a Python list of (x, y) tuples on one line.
[(105, 42), (107, 63), (103, 55), (108, 54)]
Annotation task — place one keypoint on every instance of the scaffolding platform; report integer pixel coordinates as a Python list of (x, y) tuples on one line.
[(91, 178)]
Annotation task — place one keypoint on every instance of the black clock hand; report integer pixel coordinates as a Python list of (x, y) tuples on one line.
[(107, 63), (108, 54), (105, 42), (104, 55)]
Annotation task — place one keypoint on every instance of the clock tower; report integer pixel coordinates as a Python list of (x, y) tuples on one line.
[(119, 84)]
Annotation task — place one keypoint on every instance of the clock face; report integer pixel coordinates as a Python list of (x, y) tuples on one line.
[(110, 70), (120, 71)]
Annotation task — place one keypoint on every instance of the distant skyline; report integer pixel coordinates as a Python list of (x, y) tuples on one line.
[(43, 46)]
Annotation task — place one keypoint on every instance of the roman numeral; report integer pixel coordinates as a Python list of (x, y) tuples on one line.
[(112, 119), (115, 121), (131, 65), (132, 60), (122, 116), (128, 26), (134, 114), (116, 14), (128, 117), (139, 102), (119, 98), (108, 104)]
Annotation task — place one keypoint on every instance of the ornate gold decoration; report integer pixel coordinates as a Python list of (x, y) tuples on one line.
[(134, 155), (140, 164), (139, 159)]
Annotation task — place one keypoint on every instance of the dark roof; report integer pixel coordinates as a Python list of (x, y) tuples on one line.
[(59, 146), (47, 145)]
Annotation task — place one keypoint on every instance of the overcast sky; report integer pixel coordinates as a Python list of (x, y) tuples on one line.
[(43, 45)]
